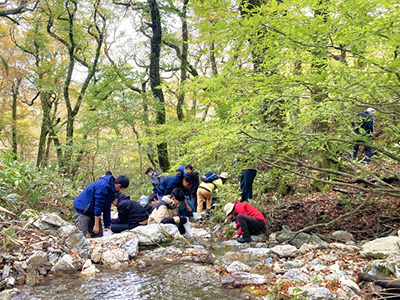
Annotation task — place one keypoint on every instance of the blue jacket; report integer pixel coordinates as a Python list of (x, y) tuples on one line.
[(365, 121), (169, 184), (130, 212), (97, 199)]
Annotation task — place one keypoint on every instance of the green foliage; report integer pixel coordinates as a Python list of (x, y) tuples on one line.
[(37, 189), (9, 237)]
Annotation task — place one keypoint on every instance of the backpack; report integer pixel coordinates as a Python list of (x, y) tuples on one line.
[(363, 122), (209, 177)]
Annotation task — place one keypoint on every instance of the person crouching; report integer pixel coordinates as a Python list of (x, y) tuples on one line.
[(130, 214), (166, 211), (249, 220)]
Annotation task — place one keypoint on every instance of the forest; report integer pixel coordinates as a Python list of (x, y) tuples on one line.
[(92, 85)]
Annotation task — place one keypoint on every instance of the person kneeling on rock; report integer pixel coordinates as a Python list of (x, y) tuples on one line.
[(130, 214), (166, 211), (249, 220)]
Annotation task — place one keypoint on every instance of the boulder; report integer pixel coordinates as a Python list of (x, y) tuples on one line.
[(342, 236), (381, 248), (54, 219), (156, 233), (296, 274), (132, 247), (36, 260), (317, 293), (240, 279), (96, 253), (115, 258), (283, 236), (237, 267), (90, 272), (304, 238), (75, 240), (5, 295), (285, 250), (20, 266), (64, 265)]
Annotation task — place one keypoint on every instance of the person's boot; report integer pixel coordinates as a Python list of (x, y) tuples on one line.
[(245, 239)]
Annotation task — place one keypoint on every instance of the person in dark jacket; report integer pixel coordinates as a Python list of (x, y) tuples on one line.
[(179, 181), (249, 220), (156, 178), (166, 211), (195, 186), (130, 214), (364, 127), (95, 200)]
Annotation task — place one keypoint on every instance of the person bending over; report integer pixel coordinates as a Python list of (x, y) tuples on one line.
[(249, 220), (166, 211), (130, 214)]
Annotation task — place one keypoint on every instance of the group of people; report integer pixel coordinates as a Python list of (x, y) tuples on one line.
[(173, 201)]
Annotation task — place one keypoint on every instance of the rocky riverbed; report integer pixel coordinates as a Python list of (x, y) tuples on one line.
[(278, 266)]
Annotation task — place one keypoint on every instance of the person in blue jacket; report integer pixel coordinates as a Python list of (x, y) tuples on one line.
[(131, 214), (184, 182), (95, 200)]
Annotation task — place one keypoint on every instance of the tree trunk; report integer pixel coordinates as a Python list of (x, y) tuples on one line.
[(15, 92), (44, 130), (155, 81), (184, 62)]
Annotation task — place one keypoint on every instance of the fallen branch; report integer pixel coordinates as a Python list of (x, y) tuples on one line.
[(2, 209)]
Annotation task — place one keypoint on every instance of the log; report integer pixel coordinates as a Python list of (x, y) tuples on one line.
[(383, 282)]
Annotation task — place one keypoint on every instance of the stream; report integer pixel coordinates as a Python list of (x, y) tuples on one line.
[(171, 281)]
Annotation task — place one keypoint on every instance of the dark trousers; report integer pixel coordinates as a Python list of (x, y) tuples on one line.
[(117, 228), (246, 184), (367, 149), (86, 223), (250, 225)]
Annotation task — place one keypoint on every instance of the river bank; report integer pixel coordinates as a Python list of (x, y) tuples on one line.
[(278, 266)]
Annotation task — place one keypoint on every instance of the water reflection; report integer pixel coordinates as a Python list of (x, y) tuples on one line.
[(188, 281)]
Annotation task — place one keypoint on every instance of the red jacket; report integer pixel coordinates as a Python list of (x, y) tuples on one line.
[(244, 208)]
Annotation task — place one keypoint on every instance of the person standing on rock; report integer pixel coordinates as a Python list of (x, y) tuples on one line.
[(249, 220), (166, 211), (95, 200), (131, 214)]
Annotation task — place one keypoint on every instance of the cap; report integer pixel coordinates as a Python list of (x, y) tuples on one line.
[(228, 208), (224, 175)]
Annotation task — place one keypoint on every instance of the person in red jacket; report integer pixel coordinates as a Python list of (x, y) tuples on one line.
[(248, 218)]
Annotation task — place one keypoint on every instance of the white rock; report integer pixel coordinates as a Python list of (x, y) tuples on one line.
[(115, 258), (285, 250), (36, 260), (89, 272), (95, 256), (238, 267), (381, 248), (65, 264)]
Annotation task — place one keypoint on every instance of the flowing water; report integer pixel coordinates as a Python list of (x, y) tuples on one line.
[(161, 282)]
